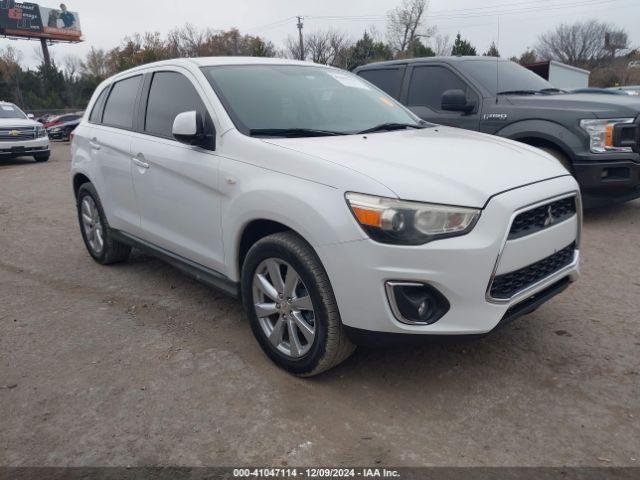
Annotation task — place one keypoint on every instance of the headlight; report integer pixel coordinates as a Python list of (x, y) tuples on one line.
[(601, 134), (41, 132), (399, 222)]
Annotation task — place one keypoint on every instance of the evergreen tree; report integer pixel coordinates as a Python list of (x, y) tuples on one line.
[(367, 50), (493, 51), (463, 47)]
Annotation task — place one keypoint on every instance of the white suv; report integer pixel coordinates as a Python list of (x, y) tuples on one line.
[(21, 136), (328, 207)]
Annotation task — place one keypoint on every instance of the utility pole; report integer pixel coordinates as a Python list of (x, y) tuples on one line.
[(45, 53), (300, 25)]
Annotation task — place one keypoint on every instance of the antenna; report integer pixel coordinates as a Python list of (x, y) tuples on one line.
[(498, 62)]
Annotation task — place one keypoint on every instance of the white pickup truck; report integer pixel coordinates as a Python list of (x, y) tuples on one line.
[(21, 136)]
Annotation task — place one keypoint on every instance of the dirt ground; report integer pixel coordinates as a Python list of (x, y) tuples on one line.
[(137, 364)]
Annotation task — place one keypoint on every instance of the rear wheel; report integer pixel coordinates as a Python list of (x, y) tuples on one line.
[(291, 306), (96, 233)]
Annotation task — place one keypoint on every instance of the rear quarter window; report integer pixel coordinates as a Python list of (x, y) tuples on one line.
[(388, 80)]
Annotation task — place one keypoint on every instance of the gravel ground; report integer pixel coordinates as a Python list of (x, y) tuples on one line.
[(137, 364)]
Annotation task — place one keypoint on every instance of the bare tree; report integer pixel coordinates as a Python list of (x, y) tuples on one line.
[(10, 69), (72, 66), (95, 63), (404, 24), (442, 45), (590, 44), (328, 47)]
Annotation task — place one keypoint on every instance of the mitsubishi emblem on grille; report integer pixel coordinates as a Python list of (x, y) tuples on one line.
[(549, 220)]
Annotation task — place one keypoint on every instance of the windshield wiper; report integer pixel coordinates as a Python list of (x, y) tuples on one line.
[(388, 127), (519, 92), (552, 90), (292, 132)]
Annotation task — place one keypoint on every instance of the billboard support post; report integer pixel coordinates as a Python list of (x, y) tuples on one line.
[(45, 53)]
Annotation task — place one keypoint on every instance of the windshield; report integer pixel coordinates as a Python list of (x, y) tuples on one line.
[(501, 76), (11, 111), (304, 98)]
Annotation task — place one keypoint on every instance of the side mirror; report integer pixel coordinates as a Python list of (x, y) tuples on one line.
[(456, 101), (30, 116), (189, 128)]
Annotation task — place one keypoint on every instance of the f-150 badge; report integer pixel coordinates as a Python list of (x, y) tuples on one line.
[(495, 116)]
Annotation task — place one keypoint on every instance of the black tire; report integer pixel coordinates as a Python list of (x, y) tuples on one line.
[(331, 345), (42, 157), (112, 251), (562, 158)]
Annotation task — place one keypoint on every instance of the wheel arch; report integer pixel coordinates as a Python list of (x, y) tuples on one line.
[(545, 134), (254, 231), (79, 179)]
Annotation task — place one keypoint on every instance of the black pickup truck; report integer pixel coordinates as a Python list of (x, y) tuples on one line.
[(597, 137)]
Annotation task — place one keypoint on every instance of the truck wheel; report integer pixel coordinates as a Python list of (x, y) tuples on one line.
[(291, 306), (42, 157), (562, 158), (95, 231)]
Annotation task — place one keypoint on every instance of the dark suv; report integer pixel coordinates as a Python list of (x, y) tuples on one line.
[(597, 137)]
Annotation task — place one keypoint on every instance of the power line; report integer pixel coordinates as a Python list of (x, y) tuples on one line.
[(474, 13)]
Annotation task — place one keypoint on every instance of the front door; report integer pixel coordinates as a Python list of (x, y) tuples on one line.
[(176, 184), (423, 96)]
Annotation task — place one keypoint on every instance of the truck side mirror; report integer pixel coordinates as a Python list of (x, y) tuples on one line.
[(456, 101)]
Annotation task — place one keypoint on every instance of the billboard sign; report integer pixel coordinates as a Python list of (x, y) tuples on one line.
[(33, 21)]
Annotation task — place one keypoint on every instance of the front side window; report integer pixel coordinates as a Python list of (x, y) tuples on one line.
[(171, 93), (428, 83), (263, 97), (8, 110), (118, 112)]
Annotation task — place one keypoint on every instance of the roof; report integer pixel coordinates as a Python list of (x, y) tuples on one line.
[(434, 59), (214, 61)]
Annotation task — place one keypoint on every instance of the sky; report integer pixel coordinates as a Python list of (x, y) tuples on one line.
[(519, 22)]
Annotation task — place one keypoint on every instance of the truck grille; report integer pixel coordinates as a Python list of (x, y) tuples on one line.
[(506, 286), (542, 217), (17, 134)]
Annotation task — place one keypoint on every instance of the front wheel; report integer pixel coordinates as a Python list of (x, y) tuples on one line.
[(291, 306), (42, 157)]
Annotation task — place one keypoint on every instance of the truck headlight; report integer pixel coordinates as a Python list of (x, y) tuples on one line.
[(601, 134), (400, 222), (41, 132)]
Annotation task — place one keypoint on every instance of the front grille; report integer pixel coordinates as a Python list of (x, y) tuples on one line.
[(8, 134), (506, 286), (542, 217)]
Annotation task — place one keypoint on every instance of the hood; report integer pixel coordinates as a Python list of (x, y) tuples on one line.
[(588, 104), (17, 122), (439, 165)]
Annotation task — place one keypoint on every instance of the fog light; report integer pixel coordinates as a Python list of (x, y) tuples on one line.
[(416, 303)]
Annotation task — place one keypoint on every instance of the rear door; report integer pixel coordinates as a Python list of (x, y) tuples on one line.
[(110, 143), (176, 184), (425, 85)]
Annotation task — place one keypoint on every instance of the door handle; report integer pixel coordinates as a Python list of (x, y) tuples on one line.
[(94, 144), (140, 163)]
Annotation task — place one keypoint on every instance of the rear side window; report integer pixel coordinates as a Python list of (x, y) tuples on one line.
[(118, 112), (388, 79), (429, 83), (171, 93)]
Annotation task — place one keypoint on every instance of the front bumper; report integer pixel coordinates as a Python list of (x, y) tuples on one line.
[(460, 268), (607, 183), (25, 147)]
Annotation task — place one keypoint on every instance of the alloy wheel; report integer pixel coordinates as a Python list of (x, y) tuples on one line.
[(284, 308), (92, 225)]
